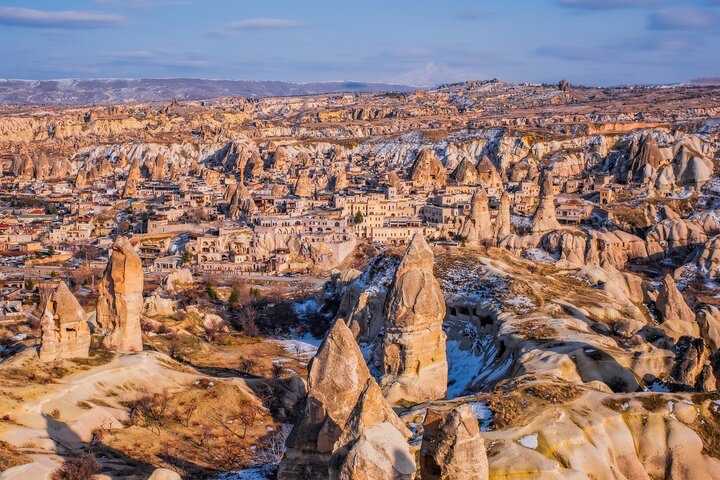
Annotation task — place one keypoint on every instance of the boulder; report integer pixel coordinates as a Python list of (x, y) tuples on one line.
[(164, 474), (177, 280)]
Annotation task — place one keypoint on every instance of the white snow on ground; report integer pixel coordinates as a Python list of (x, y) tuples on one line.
[(475, 366), (483, 414), (297, 347), (520, 303), (366, 349), (529, 441), (304, 308), (658, 386), (18, 337), (308, 337), (256, 473), (540, 255)]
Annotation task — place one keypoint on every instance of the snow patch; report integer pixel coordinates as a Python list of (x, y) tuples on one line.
[(529, 441), (483, 414)]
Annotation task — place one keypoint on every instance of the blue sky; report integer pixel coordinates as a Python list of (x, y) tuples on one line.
[(419, 42)]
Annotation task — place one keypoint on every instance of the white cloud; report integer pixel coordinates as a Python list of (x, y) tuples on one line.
[(432, 74), (606, 4), (27, 17), (682, 19), (257, 24)]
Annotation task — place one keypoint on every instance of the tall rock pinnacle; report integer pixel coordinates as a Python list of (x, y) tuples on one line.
[(413, 358), (120, 302)]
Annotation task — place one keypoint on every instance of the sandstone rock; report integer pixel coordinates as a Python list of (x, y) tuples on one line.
[(414, 366), (164, 474), (241, 203), (452, 447), (708, 260), (544, 218), (394, 180), (120, 301), (303, 185), (343, 403), (177, 280), (64, 329), (428, 170), (464, 173), (488, 175), (692, 357), (691, 168), (157, 306), (677, 317), (503, 224), (339, 181), (709, 321), (477, 226), (380, 454)]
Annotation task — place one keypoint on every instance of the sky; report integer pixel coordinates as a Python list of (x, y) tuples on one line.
[(414, 42)]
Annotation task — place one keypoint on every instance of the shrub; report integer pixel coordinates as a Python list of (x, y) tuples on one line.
[(84, 467)]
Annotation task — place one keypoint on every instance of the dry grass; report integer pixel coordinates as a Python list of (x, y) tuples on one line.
[(10, 457), (208, 427), (517, 407)]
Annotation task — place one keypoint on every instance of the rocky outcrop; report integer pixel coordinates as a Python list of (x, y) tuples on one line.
[(452, 447), (428, 170), (544, 218), (177, 280), (503, 224), (345, 429), (673, 234), (164, 474), (477, 226), (677, 317), (120, 302), (412, 356), (464, 173), (64, 328), (339, 180), (487, 174), (691, 364), (303, 185), (241, 203)]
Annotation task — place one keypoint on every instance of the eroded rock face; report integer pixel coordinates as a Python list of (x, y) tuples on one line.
[(344, 419), (121, 301), (65, 332), (677, 317), (503, 223), (544, 218), (414, 364), (691, 367), (477, 226), (452, 447), (376, 456), (428, 170), (303, 186), (178, 280)]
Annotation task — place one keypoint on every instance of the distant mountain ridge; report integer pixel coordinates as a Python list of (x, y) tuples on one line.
[(111, 90)]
